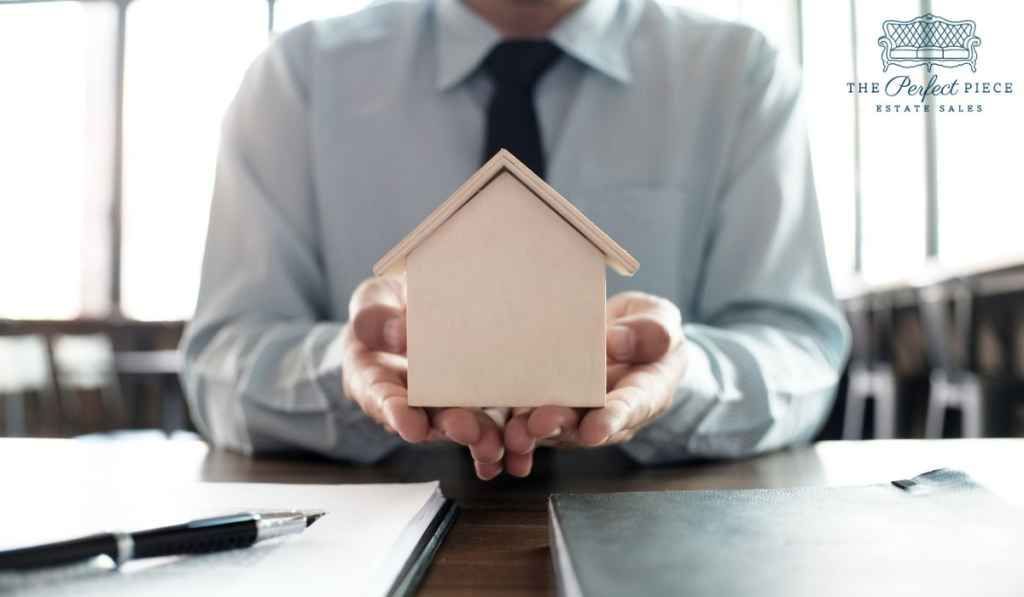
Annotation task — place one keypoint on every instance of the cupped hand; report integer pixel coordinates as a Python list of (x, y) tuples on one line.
[(646, 362), (375, 376)]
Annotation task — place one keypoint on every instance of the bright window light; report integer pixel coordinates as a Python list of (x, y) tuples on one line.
[(779, 21), (828, 66), (289, 13), (978, 154), (43, 151), (892, 149), (184, 61)]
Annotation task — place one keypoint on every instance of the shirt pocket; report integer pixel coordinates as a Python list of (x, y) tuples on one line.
[(657, 224)]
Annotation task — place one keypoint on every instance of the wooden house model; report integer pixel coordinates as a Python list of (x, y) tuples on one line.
[(505, 286)]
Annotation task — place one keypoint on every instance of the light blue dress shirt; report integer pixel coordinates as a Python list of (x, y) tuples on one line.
[(681, 136)]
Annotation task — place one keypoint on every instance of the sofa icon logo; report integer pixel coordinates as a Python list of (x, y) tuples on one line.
[(929, 41)]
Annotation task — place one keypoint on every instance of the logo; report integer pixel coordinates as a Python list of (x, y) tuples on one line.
[(929, 41)]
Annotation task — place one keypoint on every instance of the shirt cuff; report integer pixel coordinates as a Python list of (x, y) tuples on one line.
[(309, 408)]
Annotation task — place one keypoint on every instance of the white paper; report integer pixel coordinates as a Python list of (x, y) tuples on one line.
[(356, 549)]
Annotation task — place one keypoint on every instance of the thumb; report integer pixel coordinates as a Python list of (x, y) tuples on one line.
[(381, 328), (638, 339), (377, 312)]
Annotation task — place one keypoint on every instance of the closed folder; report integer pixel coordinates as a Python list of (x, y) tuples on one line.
[(934, 535)]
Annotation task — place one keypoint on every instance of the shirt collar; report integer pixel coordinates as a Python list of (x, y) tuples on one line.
[(596, 34)]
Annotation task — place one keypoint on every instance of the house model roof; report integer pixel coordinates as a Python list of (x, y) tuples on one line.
[(617, 258)]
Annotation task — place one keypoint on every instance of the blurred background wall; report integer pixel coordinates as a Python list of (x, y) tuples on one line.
[(109, 125)]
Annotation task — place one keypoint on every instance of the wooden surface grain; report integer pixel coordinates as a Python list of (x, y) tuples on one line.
[(499, 545)]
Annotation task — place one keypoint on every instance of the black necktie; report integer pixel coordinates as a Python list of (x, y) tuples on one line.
[(515, 67)]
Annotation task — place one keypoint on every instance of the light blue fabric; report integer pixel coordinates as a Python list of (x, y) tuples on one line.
[(679, 135)]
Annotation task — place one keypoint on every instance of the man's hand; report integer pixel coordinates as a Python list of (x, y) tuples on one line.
[(646, 362), (374, 375)]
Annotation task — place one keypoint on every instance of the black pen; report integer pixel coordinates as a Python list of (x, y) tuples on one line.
[(199, 536)]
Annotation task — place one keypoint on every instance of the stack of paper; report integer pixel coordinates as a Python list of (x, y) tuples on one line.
[(370, 542)]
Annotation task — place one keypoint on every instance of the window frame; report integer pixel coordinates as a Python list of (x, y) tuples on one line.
[(115, 138)]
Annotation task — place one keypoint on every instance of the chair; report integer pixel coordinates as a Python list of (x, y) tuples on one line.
[(1017, 351), (24, 369), (86, 363), (154, 374), (947, 318), (1017, 346), (870, 377)]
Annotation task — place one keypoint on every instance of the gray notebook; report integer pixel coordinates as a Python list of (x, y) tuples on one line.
[(937, 534)]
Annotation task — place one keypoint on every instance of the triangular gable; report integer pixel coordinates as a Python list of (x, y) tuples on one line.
[(617, 258)]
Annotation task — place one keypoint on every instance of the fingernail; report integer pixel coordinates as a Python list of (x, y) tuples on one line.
[(487, 477), (555, 433), (621, 342), (392, 334)]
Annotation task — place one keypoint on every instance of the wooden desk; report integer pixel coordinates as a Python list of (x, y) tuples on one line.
[(499, 545)]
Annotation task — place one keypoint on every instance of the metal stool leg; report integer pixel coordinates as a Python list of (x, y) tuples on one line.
[(71, 412), (885, 404), (856, 395), (972, 407), (14, 414), (50, 406), (113, 404), (936, 408)]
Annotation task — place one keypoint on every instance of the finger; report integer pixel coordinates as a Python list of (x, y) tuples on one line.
[(519, 465), (487, 471), (632, 302), (656, 381), (621, 437), (435, 435), (639, 339), (377, 291), (381, 328), (642, 328), (625, 408), (377, 382), (489, 447), (546, 422), (614, 373), (377, 312), (410, 423), (458, 424), (517, 438), (641, 394)]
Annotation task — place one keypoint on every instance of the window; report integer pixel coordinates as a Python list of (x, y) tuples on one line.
[(831, 122), (979, 215), (779, 20), (44, 148), (289, 13), (892, 158), (184, 61), (828, 66)]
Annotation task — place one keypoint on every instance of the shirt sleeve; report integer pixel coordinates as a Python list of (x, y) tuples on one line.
[(262, 362), (767, 340)]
